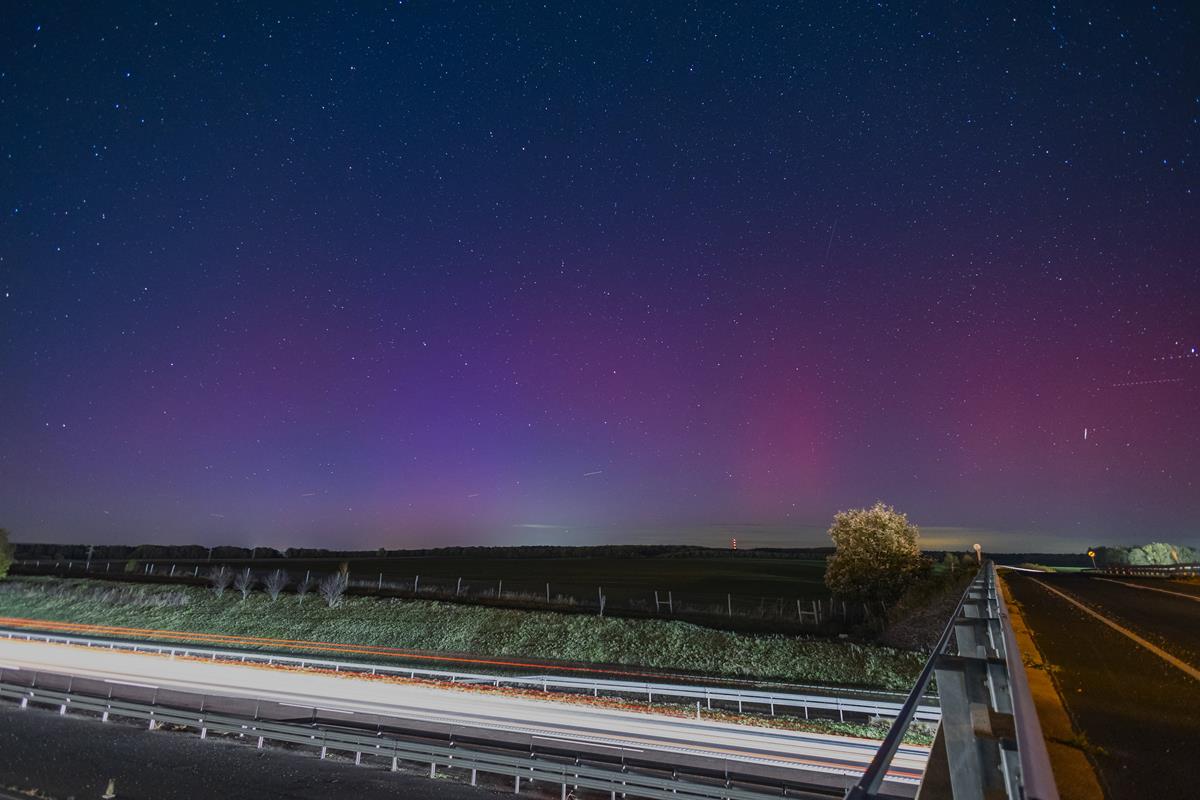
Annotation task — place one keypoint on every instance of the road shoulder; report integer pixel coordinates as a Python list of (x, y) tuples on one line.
[(1073, 771)]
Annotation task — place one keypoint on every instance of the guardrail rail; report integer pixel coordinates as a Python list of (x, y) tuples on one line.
[(992, 740)]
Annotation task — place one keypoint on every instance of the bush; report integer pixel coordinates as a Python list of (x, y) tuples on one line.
[(877, 556), (244, 582), (220, 578), (275, 583), (332, 587)]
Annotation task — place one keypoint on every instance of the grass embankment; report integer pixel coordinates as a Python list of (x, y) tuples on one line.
[(444, 627)]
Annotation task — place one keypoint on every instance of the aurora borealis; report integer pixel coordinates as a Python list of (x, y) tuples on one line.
[(430, 273)]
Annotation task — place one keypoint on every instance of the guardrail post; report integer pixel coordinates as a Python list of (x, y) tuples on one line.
[(472, 776), (516, 784)]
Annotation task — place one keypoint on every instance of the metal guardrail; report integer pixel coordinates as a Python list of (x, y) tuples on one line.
[(1034, 778), (993, 742), (869, 707), (1148, 571), (521, 768)]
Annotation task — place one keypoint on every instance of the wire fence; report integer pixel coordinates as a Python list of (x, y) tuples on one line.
[(726, 610)]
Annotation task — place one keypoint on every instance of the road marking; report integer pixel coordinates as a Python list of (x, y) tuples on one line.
[(1193, 597), (1183, 666)]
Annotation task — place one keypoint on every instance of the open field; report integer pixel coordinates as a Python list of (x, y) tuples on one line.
[(737, 593), (459, 629), (621, 578)]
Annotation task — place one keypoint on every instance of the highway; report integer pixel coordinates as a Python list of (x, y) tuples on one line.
[(818, 701), (647, 736), (1126, 658)]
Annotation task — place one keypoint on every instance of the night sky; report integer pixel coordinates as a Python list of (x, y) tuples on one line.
[(411, 274)]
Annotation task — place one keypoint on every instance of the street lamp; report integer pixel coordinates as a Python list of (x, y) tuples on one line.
[(1092, 556)]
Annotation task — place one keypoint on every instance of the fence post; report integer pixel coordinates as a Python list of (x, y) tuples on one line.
[(500, 589), (547, 594), (172, 571), (416, 583), (670, 603), (729, 603), (458, 589), (380, 587)]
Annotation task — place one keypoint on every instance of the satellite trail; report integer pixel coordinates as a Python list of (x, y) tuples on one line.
[(1146, 383)]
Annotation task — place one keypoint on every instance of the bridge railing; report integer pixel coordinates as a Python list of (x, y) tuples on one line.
[(992, 740), (1151, 571)]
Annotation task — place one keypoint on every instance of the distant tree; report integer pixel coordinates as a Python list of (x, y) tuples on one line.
[(304, 587), (220, 578), (132, 565), (275, 583), (332, 587), (6, 553), (876, 557), (1152, 554), (244, 582)]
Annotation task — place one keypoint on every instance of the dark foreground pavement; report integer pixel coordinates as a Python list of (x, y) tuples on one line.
[(74, 756), (1137, 713)]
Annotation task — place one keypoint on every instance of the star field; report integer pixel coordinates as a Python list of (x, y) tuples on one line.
[(433, 273)]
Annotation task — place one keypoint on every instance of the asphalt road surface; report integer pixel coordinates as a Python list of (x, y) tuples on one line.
[(1138, 710), (563, 724)]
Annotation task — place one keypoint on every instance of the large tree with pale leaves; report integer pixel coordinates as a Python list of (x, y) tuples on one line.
[(877, 556)]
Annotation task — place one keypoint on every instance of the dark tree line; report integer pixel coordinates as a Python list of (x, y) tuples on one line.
[(122, 552), (1154, 554), (163, 552)]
